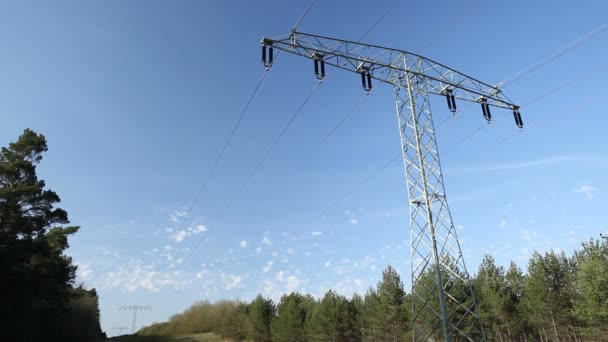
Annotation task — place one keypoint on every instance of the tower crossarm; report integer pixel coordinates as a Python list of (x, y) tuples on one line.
[(386, 65)]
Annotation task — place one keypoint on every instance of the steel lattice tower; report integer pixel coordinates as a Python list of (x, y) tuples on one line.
[(443, 302), (134, 308)]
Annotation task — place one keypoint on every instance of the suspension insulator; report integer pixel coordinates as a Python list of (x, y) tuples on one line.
[(264, 54), (363, 81), (485, 108), (366, 80), (316, 68), (322, 69), (518, 121), (489, 115), (447, 97), (270, 56), (453, 100)]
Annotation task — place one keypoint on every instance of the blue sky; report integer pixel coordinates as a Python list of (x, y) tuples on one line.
[(137, 98)]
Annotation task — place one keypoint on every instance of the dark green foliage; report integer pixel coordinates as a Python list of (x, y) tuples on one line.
[(261, 311), (393, 317), (559, 299), (36, 291), (290, 322), (591, 287)]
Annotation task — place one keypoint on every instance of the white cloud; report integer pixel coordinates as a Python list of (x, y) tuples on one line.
[(258, 250), (266, 241), (535, 163), (180, 236), (280, 276), (200, 229), (232, 281), (528, 235), (327, 264), (268, 266), (243, 244), (292, 283), (503, 223), (353, 221), (587, 190), (134, 276), (316, 233), (84, 271), (291, 251), (181, 213)]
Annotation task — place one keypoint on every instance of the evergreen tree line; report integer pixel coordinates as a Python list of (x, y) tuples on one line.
[(38, 298), (559, 298)]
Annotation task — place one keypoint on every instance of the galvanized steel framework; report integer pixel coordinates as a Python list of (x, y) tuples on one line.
[(443, 303)]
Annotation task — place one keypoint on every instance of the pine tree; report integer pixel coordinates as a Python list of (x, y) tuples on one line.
[(393, 312), (37, 276), (591, 283), (261, 311)]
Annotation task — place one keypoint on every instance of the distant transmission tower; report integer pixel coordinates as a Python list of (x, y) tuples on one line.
[(443, 303), (120, 329), (135, 309)]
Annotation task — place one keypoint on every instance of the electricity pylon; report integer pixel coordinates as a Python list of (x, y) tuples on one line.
[(443, 303), (134, 308)]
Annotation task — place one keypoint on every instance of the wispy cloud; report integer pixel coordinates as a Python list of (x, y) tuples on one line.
[(243, 244), (536, 163), (84, 271), (292, 283), (353, 221), (199, 229), (180, 236), (268, 266), (266, 241), (528, 235), (587, 190), (317, 233)]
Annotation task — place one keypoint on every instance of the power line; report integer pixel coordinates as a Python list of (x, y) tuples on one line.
[(238, 123), (559, 53), (565, 85), (303, 15), (385, 166), (456, 22), (361, 183), (552, 57), (294, 115), (271, 147), (379, 20)]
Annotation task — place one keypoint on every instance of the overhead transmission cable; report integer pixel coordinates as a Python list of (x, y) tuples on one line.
[(295, 27), (474, 132), (385, 166), (234, 129), (595, 32), (554, 55), (295, 114)]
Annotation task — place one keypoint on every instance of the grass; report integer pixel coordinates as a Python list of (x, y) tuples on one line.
[(206, 337)]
